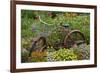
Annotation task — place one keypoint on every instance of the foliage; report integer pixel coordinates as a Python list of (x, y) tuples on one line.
[(50, 49), (38, 57), (82, 51), (26, 43), (35, 59), (39, 54), (24, 55), (63, 54), (31, 27)]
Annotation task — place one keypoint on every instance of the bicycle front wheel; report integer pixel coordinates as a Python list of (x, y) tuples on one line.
[(74, 38)]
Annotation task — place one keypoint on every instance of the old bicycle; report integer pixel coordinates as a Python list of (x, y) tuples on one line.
[(68, 39)]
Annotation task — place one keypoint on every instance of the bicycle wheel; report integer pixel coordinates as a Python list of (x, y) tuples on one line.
[(38, 45), (74, 38)]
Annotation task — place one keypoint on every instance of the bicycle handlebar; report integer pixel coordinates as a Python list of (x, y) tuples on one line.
[(51, 31), (43, 21)]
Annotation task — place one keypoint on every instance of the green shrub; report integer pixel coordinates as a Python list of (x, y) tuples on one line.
[(82, 52), (24, 55), (64, 54)]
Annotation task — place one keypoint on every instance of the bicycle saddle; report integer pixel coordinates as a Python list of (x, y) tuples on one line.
[(65, 25)]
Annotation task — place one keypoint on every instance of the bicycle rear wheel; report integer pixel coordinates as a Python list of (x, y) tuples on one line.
[(38, 45)]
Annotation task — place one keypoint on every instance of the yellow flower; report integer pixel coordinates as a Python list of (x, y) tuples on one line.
[(51, 46), (48, 47)]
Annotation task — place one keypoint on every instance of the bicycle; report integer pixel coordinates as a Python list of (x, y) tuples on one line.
[(71, 38)]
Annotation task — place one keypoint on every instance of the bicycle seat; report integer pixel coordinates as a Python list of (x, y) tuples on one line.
[(65, 25)]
